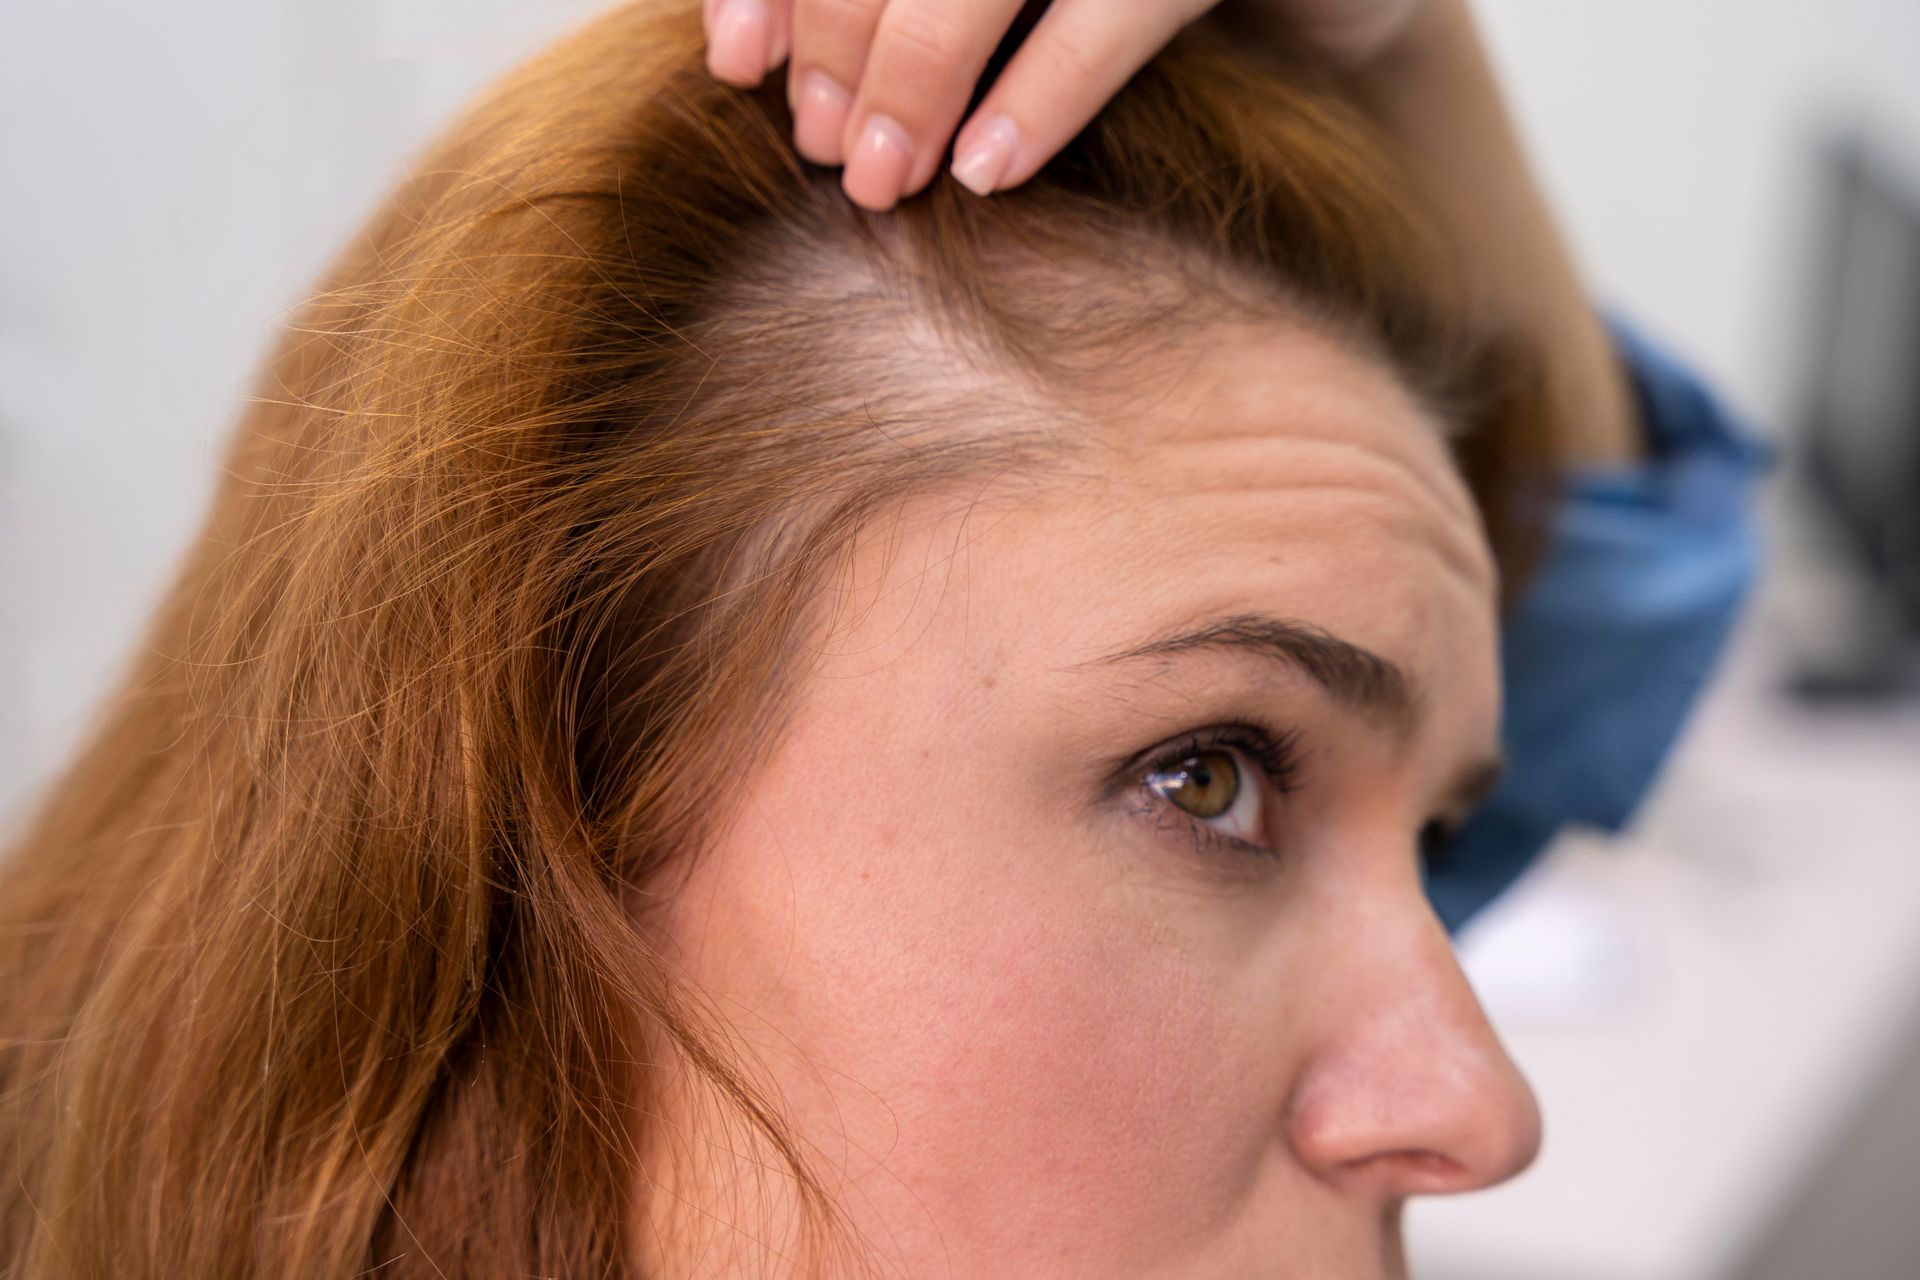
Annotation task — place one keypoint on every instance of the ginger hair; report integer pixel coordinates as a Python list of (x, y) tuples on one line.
[(325, 954)]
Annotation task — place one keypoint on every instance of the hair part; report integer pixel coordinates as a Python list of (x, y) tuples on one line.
[(327, 951)]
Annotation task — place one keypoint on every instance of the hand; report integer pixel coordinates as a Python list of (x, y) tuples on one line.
[(879, 85)]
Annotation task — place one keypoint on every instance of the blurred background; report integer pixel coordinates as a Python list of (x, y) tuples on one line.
[(1720, 1012)]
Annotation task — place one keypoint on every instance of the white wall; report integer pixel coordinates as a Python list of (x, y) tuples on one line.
[(1673, 136), (171, 178)]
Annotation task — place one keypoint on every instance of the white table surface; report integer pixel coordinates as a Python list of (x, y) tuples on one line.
[(1702, 1005)]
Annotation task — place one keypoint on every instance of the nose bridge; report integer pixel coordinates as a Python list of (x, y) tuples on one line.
[(1408, 1089)]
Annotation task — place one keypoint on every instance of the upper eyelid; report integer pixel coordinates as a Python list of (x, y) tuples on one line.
[(1465, 801), (1262, 745)]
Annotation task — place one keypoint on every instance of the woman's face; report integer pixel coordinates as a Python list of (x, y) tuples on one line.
[(1077, 917)]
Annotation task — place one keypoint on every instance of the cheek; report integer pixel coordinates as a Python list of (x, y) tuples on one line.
[(1084, 1085), (1015, 1059)]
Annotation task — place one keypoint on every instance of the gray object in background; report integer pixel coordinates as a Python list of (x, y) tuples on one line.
[(1856, 471)]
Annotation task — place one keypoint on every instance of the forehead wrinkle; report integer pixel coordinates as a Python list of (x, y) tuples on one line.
[(1296, 394), (1427, 505), (1453, 549), (1310, 440)]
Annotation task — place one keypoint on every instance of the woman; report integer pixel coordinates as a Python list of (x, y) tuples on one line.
[(1651, 552), (715, 731)]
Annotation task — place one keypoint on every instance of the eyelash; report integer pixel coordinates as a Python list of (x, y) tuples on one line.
[(1279, 757), (1277, 754)]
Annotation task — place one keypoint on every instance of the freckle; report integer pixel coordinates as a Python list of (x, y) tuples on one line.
[(987, 681)]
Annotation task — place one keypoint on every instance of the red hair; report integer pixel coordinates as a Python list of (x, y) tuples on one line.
[(321, 956)]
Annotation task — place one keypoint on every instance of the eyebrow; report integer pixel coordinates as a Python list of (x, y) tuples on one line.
[(1356, 678)]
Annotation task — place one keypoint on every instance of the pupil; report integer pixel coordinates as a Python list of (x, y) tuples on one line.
[(1202, 787)]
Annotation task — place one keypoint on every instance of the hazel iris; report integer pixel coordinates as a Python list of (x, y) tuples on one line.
[(1203, 785)]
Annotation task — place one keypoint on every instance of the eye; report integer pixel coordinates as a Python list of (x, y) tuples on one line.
[(1206, 786), (1217, 786)]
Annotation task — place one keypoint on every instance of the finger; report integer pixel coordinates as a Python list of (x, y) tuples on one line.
[(781, 41), (926, 58), (742, 38), (830, 40), (1076, 58), (1348, 33)]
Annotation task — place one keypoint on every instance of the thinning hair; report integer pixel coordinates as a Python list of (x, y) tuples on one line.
[(323, 954)]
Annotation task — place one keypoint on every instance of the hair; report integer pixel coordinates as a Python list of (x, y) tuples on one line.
[(325, 952)]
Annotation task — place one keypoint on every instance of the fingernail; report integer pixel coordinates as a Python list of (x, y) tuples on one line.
[(983, 161), (737, 49), (820, 117), (877, 170)]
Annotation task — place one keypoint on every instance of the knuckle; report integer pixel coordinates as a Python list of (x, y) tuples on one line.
[(833, 21), (1073, 61), (923, 44)]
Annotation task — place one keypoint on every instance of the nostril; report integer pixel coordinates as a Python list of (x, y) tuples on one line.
[(1431, 1163), (1410, 1172)]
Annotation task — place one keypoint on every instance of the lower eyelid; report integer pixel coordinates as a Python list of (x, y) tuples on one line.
[(1145, 805), (1163, 814)]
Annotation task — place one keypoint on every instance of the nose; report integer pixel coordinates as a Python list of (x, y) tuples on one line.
[(1408, 1090)]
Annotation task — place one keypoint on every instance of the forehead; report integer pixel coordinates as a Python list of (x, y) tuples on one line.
[(1264, 467), (1282, 417)]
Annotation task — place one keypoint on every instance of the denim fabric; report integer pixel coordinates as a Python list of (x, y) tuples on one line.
[(1645, 572)]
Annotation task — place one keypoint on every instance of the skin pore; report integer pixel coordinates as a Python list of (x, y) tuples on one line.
[(1030, 1015)]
